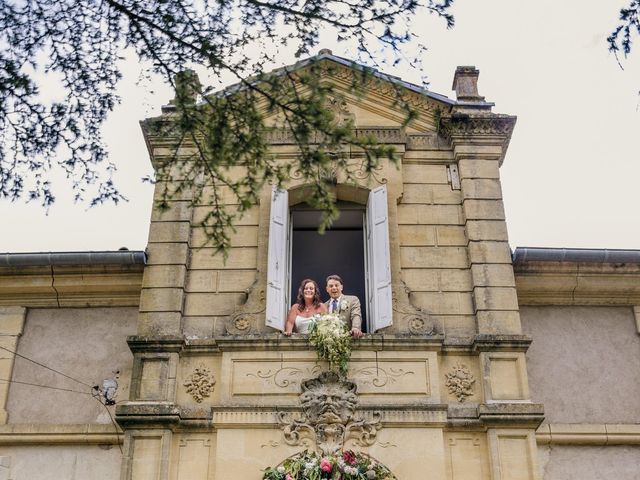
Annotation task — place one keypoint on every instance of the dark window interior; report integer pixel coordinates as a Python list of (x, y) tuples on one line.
[(339, 251)]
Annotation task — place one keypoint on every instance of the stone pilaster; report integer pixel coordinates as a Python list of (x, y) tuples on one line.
[(162, 296), (479, 141)]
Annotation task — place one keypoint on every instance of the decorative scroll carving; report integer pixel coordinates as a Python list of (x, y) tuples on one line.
[(270, 443), (285, 376), (328, 405), (378, 376), (340, 109), (244, 319), (387, 444), (411, 319), (200, 383), (460, 382)]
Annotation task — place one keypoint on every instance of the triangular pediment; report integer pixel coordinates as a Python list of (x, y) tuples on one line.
[(380, 101)]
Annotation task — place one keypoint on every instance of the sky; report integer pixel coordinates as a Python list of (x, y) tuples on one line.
[(571, 174)]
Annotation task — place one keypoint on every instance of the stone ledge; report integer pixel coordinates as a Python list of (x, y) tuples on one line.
[(170, 415), (512, 415), (491, 343), (525, 414), (597, 434), (73, 434), (277, 341)]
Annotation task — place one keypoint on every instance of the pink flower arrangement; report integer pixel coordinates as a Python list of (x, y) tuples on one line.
[(325, 465), (349, 458), (347, 465)]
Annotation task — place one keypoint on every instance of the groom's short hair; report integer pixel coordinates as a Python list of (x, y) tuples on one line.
[(334, 277)]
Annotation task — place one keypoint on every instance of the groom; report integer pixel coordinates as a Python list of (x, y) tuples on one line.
[(346, 306)]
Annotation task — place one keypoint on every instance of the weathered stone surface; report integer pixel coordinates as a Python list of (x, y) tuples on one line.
[(590, 352), (163, 276), (86, 344), (425, 173), (167, 232), (433, 257), (430, 215), (486, 230), (483, 210), (489, 252), (478, 169), (481, 189), (492, 275)]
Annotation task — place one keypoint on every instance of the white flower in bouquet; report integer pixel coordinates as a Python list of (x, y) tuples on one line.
[(330, 337)]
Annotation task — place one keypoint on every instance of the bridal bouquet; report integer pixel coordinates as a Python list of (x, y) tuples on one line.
[(330, 337), (346, 466)]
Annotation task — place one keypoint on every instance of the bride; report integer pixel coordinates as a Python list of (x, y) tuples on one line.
[(307, 305)]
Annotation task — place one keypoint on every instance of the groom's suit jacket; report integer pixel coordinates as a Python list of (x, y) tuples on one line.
[(349, 310)]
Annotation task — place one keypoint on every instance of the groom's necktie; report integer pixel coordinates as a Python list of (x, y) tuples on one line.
[(334, 305)]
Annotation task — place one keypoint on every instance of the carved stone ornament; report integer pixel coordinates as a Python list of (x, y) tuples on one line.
[(244, 319), (412, 319), (477, 125), (328, 416), (384, 86), (460, 382), (340, 109), (200, 383)]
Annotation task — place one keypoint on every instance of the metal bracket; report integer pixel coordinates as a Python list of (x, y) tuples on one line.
[(453, 177)]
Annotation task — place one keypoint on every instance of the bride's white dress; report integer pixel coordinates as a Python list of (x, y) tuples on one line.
[(302, 324)]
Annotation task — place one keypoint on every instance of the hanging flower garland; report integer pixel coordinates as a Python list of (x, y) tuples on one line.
[(331, 339), (347, 466)]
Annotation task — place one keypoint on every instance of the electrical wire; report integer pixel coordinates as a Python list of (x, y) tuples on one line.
[(92, 387), (43, 386), (113, 422), (48, 368)]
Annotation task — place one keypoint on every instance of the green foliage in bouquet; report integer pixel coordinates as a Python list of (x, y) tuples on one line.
[(347, 466), (332, 341)]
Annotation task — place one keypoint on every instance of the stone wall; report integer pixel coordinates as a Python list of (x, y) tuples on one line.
[(57, 462), (584, 363), (87, 344), (573, 462), (433, 253)]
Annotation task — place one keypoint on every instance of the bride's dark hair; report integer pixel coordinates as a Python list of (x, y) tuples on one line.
[(300, 298)]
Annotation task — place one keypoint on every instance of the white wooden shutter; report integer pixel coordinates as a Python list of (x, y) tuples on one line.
[(277, 270), (379, 266)]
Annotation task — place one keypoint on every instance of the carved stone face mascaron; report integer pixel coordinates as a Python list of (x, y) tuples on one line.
[(328, 405)]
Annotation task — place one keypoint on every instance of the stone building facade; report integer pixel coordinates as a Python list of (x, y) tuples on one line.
[(477, 364)]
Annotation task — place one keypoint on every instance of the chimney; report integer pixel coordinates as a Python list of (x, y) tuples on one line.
[(465, 84), (188, 88)]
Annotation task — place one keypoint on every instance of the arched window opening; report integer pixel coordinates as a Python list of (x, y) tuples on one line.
[(356, 247), (340, 250)]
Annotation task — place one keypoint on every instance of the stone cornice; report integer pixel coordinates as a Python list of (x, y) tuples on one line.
[(492, 128), (71, 286), (169, 415), (601, 434), (79, 434), (577, 283), (276, 341)]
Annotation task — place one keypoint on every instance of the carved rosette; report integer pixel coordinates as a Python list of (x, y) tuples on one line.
[(328, 416), (200, 384), (460, 382)]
